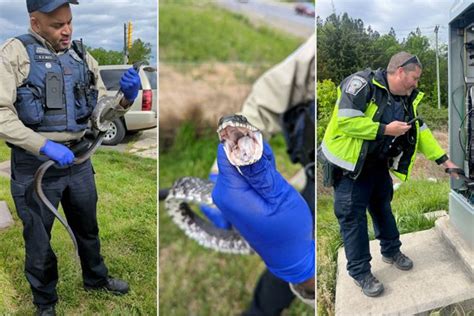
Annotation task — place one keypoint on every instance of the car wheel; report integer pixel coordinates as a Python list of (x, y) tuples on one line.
[(115, 133)]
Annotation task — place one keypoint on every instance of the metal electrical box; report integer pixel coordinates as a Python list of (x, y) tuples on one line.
[(461, 115)]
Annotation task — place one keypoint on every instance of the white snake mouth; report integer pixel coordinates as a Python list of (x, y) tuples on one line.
[(243, 142)]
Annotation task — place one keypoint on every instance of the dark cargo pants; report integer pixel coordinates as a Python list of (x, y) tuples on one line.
[(372, 190), (75, 188)]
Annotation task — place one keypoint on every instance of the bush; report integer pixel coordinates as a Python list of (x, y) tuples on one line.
[(327, 96), (434, 118)]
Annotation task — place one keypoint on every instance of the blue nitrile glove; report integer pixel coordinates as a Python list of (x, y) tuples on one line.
[(213, 213), (269, 213), (57, 152), (130, 84)]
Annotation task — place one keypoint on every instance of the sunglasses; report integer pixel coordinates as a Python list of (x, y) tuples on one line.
[(412, 60)]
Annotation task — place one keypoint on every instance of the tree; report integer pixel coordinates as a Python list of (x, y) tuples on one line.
[(140, 51), (345, 46), (106, 57)]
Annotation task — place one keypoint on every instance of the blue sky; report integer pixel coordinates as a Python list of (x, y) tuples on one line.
[(403, 15), (98, 22)]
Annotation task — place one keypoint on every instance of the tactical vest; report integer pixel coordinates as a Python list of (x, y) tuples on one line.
[(57, 95)]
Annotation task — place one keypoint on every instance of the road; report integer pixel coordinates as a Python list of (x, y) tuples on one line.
[(276, 14)]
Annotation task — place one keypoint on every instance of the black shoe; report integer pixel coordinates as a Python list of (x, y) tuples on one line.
[(401, 261), (45, 311), (114, 286), (370, 285)]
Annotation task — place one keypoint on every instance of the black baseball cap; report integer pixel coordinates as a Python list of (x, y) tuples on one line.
[(46, 6)]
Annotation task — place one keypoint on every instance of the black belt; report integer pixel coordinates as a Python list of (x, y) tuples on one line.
[(77, 146)]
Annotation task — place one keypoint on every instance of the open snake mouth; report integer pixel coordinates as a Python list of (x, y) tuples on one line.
[(243, 142), (243, 145)]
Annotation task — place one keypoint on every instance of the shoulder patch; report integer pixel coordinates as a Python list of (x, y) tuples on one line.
[(74, 55), (356, 84)]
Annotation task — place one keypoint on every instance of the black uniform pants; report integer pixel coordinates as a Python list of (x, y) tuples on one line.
[(372, 190), (272, 295), (75, 188)]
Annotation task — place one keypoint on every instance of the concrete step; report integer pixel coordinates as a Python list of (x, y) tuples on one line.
[(6, 219), (5, 169), (438, 279), (454, 240)]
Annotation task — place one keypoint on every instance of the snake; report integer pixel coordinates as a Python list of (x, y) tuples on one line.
[(243, 145)]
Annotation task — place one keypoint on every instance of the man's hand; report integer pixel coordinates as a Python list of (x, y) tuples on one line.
[(396, 128), (448, 164), (269, 213), (58, 152), (130, 84)]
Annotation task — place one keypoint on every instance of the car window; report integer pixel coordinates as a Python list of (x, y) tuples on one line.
[(151, 75), (111, 78)]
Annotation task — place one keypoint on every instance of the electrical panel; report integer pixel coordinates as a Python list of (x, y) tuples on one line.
[(468, 57), (461, 115)]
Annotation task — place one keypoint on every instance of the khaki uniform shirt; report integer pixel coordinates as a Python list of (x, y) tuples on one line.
[(14, 70), (287, 84)]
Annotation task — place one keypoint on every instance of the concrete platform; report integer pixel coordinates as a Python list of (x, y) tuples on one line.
[(6, 219), (5, 169), (460, 246), (438, 279)]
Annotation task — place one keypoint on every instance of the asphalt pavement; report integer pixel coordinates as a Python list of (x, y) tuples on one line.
[(273, 13)]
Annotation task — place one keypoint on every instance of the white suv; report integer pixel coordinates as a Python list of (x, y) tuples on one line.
[(143, 113)]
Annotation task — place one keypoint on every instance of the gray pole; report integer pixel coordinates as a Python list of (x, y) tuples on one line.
[(125, 59), (437, 68)]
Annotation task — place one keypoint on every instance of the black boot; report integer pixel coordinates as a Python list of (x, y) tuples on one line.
[(401, 261), (114, 286), (370, 285), (45, 311)]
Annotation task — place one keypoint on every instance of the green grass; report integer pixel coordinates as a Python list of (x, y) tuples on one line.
[(193, 32), (410, 202), (195, 280), (127, 220)]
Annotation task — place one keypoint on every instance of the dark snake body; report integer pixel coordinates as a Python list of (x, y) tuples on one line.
[(198, 191)]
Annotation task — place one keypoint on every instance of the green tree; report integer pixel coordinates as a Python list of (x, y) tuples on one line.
[(346, 46), (106, 57), (140, 51), (327, 96)]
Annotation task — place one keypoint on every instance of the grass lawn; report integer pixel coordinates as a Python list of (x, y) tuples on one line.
[(126, 186), (410, 202), (195, 280), (193, 31)]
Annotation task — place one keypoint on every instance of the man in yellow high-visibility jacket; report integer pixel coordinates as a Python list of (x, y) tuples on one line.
[(374, 130)]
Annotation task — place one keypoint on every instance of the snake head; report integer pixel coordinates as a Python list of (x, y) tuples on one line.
[(243, 142)]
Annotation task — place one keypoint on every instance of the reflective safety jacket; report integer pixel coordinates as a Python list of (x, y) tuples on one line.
[(355, 122), (56, 95)]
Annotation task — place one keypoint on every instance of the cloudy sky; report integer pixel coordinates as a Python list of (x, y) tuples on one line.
[(403, 15), (98, 22)]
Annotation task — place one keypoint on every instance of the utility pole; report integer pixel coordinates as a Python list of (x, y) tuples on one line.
[(125, 57), (437, 67)]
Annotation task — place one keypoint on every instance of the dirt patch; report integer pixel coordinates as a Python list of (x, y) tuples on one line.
[(425, 168), (201, 93)]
